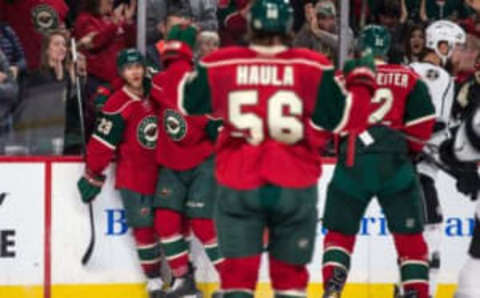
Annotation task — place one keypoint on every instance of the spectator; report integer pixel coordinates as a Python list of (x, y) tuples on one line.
[(468, 98), (8, 92), (320, 33), (207, 42), (414, 45), (56, 67), (154, 50), (388, 15), (445, 9), (103, 32), (31, 20), (10, 46), (203, 13), (232, 16)]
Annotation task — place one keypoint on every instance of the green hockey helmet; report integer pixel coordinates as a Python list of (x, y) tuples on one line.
[(374, 40), (127, 57), (272, 16)]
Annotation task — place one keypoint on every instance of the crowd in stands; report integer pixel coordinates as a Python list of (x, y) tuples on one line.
[(36, 43)]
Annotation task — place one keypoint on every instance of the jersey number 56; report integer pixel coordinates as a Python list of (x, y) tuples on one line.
[(287, 129)]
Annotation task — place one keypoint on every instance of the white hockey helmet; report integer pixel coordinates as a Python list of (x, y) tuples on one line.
[(444, 31)]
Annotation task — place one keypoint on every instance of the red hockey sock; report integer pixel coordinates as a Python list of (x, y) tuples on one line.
[(204, 229), (169, 225), (240, 275), (413, 255), (288, 279), (148, 249), (337, 249)]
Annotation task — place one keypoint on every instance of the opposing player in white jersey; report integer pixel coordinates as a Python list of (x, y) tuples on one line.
[(461, 155), (441, 39)]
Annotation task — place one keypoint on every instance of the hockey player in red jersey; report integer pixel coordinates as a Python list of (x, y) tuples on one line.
[(278, 105), (127, 128), (186, 184), (401, 120)]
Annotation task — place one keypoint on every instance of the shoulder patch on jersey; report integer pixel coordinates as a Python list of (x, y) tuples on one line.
[(44, 18), (432, 74), (147, 132), (174, 124)]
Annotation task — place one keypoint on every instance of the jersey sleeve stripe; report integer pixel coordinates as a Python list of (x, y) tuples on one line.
[(348, 106), (346, 114), (180, 94), (155, 86), (420, 120), (315, 126), (103, 142)]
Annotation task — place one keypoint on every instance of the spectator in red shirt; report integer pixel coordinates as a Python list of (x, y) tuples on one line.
[(104, 32), (31, 20)]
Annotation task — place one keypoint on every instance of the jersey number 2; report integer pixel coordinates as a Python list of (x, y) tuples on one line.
[(283, 128), (384, 97)]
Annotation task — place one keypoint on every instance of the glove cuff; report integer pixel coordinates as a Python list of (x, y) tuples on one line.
[(94, 179)]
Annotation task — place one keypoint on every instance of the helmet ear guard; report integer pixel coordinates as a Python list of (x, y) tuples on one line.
[(444, 31)]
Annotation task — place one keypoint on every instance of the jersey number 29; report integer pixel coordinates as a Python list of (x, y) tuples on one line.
[(287, 129)]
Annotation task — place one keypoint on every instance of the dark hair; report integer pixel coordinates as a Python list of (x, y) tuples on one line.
[(92, 6), (47, 39), (408, 50)]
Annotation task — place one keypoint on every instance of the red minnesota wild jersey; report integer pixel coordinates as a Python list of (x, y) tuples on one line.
[(182, 141), (126, 126), (277, 104), (402, 101)]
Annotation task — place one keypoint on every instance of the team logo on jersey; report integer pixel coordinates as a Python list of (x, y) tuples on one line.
[(175, 125), (147, 132), (44, 18), (432, 74)]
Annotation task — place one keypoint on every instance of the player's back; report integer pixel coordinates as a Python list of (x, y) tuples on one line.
[(401, 114), (266, 96), (395, 83)]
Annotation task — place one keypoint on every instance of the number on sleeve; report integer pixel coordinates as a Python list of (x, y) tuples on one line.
[(105, 126)]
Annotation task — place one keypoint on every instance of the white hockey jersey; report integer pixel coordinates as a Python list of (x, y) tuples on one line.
[(441, 86)]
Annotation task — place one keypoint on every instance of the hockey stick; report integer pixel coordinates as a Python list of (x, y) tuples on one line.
[(91, 244), (88, 253)]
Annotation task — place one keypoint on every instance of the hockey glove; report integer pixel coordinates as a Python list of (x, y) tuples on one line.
[(468, 181), (360, 72), (90, 186)]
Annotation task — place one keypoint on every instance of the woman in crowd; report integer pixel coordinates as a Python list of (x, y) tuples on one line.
[(414, 45), (105, 31), (56, 67)]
